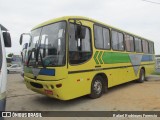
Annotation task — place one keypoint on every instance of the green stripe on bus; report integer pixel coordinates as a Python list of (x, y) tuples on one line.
[(99, 57), (115, 57), (95, 57)]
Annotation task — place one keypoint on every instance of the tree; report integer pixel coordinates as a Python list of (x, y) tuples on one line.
[(10, 54)]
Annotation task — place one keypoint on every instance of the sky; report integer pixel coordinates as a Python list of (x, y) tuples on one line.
[(136, 16)]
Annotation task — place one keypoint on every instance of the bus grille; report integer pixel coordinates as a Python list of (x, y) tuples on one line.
[(36, 85)]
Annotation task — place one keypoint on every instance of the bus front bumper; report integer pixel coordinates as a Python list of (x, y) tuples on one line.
[(54, 89)]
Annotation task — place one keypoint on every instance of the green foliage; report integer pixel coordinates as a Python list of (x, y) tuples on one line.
[(10, 54)]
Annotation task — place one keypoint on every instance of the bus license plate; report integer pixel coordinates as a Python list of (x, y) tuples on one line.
[(49, 92)]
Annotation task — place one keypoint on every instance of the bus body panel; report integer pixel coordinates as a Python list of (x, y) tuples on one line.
[(3, 75), (75, 80)]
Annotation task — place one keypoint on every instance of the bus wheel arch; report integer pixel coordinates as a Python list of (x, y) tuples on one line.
[(105, 81), (144, 70), (142, 73), (102, 81)]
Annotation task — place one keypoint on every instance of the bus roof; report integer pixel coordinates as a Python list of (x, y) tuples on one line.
[(84, 18)]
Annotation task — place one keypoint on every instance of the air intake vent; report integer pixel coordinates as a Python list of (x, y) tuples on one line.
[(36, 85)]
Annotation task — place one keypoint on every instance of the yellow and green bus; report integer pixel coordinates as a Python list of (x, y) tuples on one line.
[(73, 56)]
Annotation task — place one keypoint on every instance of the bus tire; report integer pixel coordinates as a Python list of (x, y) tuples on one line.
[(141, 76), (96, 87)]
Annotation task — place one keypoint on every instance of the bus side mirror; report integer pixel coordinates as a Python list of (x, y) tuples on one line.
[(7, 39), (21, 39), (80, 32), (23, 36)]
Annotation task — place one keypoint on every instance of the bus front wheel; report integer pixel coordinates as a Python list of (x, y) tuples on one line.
[(141, 76), (96, 87)]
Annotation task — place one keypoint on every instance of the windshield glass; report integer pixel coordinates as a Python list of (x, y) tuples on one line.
[(48, 43)]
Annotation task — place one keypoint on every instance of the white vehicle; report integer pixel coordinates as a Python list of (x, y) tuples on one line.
[(14, 68), (5, 41), (157, 62)]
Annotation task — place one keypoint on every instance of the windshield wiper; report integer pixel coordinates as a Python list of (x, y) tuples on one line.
[(33, 50), (37, 52)]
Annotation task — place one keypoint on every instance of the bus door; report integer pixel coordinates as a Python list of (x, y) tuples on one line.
[(80, 53)]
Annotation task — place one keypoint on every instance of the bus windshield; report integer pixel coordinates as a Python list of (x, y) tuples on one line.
[(47, 46)]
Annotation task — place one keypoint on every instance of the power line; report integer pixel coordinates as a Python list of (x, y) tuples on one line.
[(151, 2)]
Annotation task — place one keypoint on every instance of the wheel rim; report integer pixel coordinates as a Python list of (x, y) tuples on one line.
[(97, 87)]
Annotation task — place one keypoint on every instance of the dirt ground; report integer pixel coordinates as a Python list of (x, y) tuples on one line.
[(131, 96)]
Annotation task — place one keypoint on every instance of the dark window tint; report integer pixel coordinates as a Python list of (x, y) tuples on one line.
[(138, 45), (129, 43), (145, 46), (79, 50), (102, 38), (151, 47), (117, 41)]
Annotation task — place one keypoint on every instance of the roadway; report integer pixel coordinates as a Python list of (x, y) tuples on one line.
[(131, 96)]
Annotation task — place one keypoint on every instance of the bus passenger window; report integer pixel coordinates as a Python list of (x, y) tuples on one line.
[(106, 37), (99, 42), (138, 45), (129, 43), (117, 41), (79, 50), (145, 46), (102, 38)]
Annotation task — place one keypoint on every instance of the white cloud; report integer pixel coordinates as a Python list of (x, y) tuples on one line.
[(135, 16)]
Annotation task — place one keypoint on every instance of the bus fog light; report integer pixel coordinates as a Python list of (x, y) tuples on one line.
[(52, 86), (58, 85)]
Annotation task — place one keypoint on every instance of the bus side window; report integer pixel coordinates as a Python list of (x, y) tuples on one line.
[(101, 37), (138, 44), (129, 41), (79, 51), (117, 41), (145, 46)]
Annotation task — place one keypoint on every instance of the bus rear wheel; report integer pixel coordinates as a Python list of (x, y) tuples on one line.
[(141, 76), (96, 87)]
